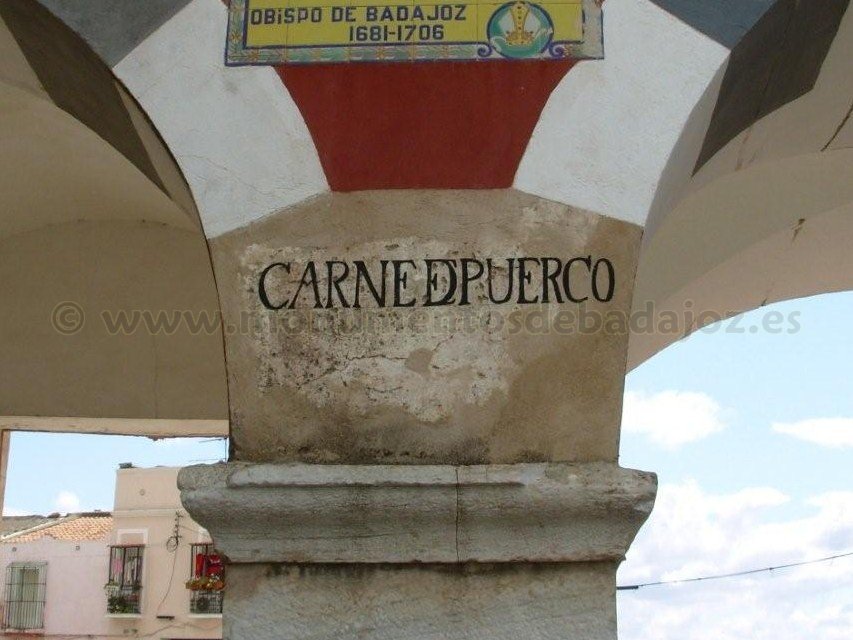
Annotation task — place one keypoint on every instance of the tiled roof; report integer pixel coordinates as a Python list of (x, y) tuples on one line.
[(12, 524), (79, 527)]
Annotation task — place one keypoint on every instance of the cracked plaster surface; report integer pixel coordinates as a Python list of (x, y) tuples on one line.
[(455, 384)]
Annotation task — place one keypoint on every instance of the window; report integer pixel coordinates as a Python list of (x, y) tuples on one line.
[(124, 588), (207, 579), (24, 596)]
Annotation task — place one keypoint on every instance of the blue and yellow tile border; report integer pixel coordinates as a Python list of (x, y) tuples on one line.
[(491, 30)]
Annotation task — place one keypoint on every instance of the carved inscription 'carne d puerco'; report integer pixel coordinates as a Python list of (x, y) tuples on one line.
[(355, 284)]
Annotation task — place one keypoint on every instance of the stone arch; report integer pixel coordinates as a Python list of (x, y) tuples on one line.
[(96, 214), (255, 147), (754, 202), (752, 77)]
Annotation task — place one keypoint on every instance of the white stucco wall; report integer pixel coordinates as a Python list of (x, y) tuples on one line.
[(147, 501), (221, 112), (608, 129), (74, 592)]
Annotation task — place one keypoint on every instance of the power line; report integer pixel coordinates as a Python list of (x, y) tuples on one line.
[(634, 587)]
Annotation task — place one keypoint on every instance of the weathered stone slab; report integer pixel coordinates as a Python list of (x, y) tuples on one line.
[(426, 327), (548, 512), (298, 513), (428, 602), (404, 514)]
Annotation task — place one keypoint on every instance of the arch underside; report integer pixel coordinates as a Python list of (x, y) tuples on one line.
[(764, 213), (96, 214), (723, 130)]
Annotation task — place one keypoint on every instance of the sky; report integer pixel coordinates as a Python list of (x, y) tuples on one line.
[(751, 435), (749, 430), (65, 473)]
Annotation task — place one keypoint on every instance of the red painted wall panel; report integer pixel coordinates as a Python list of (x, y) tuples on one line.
[(440, 125)]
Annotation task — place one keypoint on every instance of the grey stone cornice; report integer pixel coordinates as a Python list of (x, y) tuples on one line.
[(419, 514)]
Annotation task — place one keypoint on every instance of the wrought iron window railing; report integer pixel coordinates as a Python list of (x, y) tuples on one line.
[(123, 599), (25, 591), (124, 587), (207, 580), (206, 602)]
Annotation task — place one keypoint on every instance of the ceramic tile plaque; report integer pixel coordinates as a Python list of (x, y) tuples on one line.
[(262, 32)]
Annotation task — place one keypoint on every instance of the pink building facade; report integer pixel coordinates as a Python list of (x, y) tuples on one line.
[(146, 570)]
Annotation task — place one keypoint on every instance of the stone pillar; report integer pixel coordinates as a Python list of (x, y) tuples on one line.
[(5, 445), (425, 392)]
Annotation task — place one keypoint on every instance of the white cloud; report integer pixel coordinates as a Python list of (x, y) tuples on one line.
[(671, 418), (829, 432), (693, 533), (11, 511), (67, 502)]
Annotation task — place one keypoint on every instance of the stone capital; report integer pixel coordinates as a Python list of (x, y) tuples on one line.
[(297, 513)]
